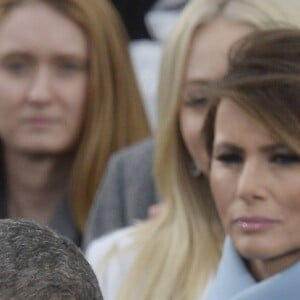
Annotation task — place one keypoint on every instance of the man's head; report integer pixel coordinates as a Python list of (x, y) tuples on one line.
[(37, 263)]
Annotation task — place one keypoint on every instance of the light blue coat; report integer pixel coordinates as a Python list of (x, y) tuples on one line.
[(234, 282)]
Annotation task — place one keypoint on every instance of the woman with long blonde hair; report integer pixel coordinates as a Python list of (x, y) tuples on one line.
[(69, 99), (175, 255)]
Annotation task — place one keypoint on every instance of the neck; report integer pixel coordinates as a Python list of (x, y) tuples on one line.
[(262, 269), (35, 185)]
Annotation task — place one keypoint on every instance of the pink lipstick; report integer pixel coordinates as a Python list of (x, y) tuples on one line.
[(254, 224)]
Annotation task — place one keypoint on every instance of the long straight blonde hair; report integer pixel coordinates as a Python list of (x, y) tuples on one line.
[(177, 253), (114, 115)]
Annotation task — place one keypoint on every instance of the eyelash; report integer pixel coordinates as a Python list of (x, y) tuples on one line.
[(16, 66), (70, 66), (196, 102), (279, 159), (20, 67), (285, 159), (229, 158)]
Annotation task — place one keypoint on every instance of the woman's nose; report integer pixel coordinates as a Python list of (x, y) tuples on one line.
[(40, 88), (251, 182)]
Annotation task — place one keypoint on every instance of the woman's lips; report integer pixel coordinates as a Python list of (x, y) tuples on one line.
[(39, 122), (254, 224)]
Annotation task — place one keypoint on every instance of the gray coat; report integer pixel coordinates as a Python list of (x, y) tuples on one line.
[(126, 192)]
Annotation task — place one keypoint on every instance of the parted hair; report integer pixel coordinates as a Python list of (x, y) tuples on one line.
[(114, 112), (36, 263)]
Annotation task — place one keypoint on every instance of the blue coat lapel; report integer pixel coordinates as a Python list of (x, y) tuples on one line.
[(234, 282)]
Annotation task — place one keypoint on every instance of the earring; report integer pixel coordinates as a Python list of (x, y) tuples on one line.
[(195, 170)]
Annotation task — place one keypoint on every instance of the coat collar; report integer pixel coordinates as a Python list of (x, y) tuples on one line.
[(234, 282)]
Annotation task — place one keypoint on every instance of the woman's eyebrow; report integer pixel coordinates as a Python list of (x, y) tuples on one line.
[(226, 146), (15, 53), (274, 147)]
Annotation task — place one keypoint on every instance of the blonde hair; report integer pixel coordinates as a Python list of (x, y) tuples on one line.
[(115, 115), (177, 253)]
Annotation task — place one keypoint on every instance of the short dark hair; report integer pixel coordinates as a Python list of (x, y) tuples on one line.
[(37, 263)]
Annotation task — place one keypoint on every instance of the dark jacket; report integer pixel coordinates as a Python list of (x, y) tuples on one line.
[(133, 14)]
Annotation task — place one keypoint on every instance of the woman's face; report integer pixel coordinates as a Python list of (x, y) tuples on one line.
[(255, 181), (207, 61), (43, 79)]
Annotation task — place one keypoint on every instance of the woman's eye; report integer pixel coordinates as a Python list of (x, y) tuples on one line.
[(69, 67), (197, 102), (285, 159), (16, 67), (229, 158)]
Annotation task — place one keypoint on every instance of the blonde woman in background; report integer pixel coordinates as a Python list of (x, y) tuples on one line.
[(175, 255), (68, 100)]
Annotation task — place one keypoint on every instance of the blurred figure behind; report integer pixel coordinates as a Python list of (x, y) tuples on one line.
[(68, 100)]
